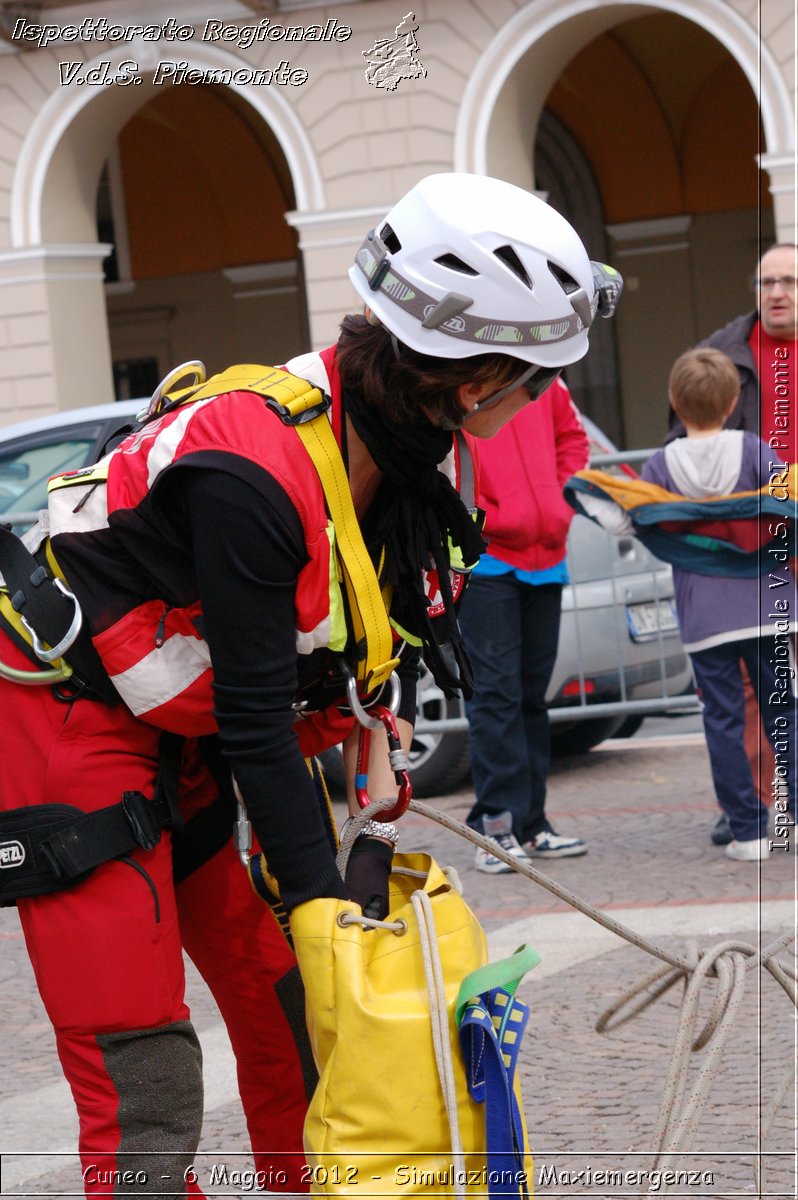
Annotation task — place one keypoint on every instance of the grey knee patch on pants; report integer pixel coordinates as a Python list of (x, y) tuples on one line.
[(157, 1074)]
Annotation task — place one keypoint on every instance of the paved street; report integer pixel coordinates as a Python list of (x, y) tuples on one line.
[(645, 805)]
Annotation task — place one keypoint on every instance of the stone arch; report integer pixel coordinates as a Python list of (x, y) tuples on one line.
[(548, 33), (60, 161), (53, 197)]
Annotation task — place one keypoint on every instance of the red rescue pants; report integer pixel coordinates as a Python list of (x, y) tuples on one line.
[(107, 956)]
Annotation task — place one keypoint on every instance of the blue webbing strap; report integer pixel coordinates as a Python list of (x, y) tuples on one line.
[(491, 1028)]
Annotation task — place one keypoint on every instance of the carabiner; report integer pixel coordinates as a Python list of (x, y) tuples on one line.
[(372, 718)]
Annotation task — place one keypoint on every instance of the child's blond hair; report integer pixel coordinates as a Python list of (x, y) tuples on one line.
[(702, 387)]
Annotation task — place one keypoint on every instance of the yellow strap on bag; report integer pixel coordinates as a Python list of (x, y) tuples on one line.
[(377, 1124), (303, 406)]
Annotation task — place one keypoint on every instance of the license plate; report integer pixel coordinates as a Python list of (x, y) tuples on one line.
[(647, 620)]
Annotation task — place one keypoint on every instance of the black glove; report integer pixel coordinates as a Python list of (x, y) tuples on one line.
[(367, 875)]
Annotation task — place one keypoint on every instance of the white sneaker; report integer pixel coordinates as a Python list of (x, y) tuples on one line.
[(754, 851), (500, 830), (548, 844)]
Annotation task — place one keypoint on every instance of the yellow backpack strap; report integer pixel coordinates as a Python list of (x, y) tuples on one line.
[(366, 604), (292, 397), (299, 403)]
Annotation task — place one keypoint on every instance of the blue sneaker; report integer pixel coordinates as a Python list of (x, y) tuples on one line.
[(499, 829)]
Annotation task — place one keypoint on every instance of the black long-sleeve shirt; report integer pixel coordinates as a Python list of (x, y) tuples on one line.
[(220, 529)]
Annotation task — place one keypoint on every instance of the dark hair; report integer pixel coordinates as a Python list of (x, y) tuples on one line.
[(702, 385), (399, 387)]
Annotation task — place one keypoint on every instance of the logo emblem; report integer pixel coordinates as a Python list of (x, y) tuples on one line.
[(12, 854), (390, 60), (432, 587)]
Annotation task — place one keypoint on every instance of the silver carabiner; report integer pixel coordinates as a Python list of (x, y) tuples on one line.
[(360, 712), (60, 650)]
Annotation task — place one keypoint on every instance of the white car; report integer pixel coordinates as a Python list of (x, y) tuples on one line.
[(32, 451)]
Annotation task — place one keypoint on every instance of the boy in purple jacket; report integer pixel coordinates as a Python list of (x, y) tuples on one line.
[(724, 618)]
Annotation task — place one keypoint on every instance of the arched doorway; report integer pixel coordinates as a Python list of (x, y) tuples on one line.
[(685, 206), (564, 175), (673, 158), (205, 265), (54, 215)]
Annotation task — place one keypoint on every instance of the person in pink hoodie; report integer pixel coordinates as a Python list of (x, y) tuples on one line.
[(510, 618)]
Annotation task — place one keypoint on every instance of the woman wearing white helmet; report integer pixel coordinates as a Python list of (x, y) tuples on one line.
[(202, 564), (468, 267)]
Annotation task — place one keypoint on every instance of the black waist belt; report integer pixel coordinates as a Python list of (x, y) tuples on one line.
[(50, 847)]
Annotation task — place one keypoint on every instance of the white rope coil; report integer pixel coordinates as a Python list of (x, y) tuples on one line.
[(728, 963)]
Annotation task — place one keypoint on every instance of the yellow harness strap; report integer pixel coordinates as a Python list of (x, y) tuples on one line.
[(366, 604), (304, 407)]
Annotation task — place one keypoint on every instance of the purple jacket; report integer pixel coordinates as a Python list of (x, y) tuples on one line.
[(714, 609)]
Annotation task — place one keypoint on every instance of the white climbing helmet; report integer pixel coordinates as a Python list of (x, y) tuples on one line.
[(465, 265)]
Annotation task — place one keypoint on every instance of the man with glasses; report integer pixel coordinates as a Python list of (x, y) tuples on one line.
[(763, 346)]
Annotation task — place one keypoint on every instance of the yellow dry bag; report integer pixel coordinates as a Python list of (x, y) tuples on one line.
[(392, 1113)]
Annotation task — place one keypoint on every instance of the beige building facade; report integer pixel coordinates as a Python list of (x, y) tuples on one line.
[(195, 185)]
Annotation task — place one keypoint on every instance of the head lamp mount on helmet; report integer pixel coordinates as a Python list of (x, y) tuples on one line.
[(378, 258), (609, 285)]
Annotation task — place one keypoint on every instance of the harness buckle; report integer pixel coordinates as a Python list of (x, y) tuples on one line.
[(56, 652), (299, 412), (361, 713), (140, 816), (157, 402)]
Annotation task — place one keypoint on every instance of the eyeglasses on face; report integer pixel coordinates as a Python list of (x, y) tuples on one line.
[(768, 282), (535, 380)]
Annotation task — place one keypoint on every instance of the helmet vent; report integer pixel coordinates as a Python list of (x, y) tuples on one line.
[(390, 240), (567, 282), (453, 263), (510, 259)]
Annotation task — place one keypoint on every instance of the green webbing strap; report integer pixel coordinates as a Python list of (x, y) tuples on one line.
[(507, 973)]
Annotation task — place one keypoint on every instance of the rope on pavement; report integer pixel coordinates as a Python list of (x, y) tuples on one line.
[(727, 962)]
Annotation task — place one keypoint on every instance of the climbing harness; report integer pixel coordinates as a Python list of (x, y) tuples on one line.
[(43, 616)]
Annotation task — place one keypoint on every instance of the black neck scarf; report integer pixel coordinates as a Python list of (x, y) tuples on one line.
[(414, 516)]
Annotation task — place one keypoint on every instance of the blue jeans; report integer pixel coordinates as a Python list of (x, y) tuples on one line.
[(717, 673), (510, 631)]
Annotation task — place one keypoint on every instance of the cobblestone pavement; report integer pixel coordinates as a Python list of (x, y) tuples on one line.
[(646, 808)]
